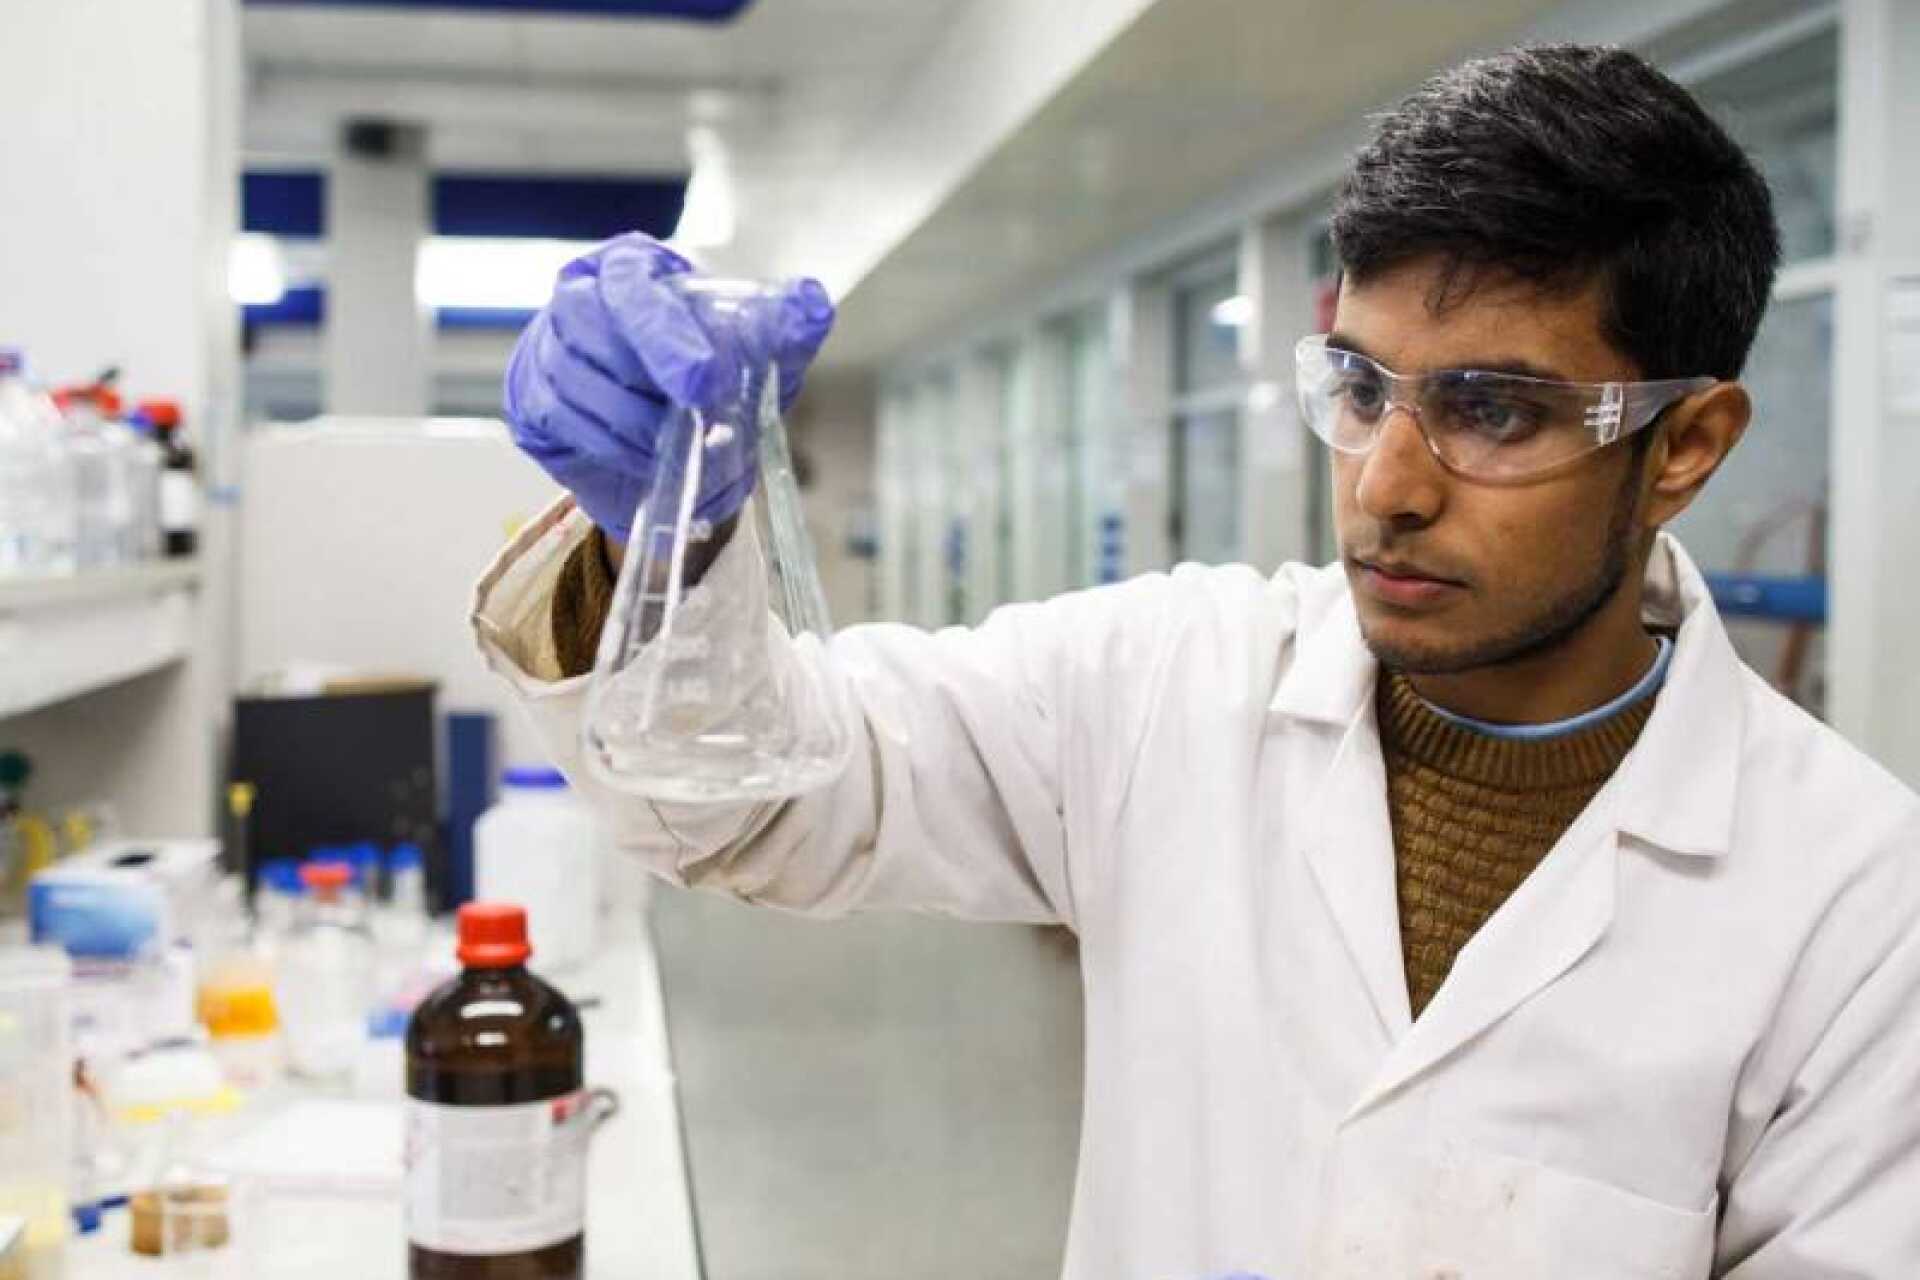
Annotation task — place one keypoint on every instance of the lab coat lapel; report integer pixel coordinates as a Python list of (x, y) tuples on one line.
[(1351, 854), (1349, 843), (1556, 916)]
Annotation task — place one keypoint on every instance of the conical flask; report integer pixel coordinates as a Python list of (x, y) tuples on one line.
[(706, 685)]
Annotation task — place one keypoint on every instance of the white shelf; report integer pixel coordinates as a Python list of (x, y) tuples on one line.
[(23, 594), (63, 637)]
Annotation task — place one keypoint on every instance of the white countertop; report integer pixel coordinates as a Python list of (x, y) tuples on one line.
[(639, 1216)]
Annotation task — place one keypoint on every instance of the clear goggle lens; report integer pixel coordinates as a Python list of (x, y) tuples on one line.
[(1491, 426)]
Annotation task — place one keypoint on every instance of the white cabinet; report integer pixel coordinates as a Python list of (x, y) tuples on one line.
[(64, 637)]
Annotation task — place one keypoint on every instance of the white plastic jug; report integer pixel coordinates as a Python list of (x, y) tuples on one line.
[(540, 848)]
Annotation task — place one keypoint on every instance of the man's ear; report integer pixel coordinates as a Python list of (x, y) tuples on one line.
[(1695, 438)]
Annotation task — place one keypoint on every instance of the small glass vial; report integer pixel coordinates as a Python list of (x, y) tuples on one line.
[(326, 977)]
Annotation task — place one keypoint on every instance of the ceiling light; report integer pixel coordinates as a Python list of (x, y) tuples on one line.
[(708, 217), (1232, 313), (1264, 397), (488, 273), (256, 275)]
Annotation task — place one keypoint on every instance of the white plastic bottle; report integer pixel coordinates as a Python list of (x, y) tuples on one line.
[(38, 511), (401, 920), (539, 848), (325, 977), (145, 462), (60, 514), (136, 485), (19, 477), (105, 491)]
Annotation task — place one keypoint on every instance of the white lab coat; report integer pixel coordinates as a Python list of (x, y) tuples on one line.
[(1688, 1046)]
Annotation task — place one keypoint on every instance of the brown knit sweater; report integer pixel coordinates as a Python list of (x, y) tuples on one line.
[(582, 599), (1473, 815)]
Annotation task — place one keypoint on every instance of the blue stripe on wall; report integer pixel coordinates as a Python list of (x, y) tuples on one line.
[(302, 308), (483, 204), (697, 10), (284, 203), (498, 204), (482, 318)]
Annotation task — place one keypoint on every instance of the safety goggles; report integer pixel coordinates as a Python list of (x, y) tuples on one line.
[(1498, 428)]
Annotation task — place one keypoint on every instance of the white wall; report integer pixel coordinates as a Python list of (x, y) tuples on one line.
[(285, 378), (834, 424), (379, 210), (1876, 415), (360, 542)]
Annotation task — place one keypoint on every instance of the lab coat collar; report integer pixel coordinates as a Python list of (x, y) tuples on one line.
[(1333, 671), (1678, 786), (1676, 789)]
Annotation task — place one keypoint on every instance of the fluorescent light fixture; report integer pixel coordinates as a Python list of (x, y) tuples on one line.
[(256, 273), (708, 216), (485, 272), (1232, 313)]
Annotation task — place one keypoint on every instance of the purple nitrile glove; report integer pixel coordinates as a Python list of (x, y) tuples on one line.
[(604, 364)]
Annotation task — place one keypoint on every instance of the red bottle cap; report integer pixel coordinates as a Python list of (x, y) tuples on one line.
[(493, 935), (325, 875), (163, 414)]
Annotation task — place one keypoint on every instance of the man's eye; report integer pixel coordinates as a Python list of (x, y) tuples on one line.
[(1502, 419), (1365, 394)]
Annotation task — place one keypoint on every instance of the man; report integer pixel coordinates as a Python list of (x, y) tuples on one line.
[(1465, 909)]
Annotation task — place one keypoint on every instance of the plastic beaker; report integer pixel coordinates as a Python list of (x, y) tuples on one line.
[(36, 1099), (699, 691)]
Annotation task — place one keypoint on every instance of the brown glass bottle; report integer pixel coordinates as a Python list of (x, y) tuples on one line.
[(495, 1182)]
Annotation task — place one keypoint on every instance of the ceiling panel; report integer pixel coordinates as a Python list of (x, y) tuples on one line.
[(791, 38), (376, 40), (1198, 96), (789, 85), (697, 10)]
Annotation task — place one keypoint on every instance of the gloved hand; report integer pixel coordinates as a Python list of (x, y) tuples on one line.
[(601, 368)]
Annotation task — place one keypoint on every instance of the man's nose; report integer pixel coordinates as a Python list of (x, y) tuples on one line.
[(1400, 481)]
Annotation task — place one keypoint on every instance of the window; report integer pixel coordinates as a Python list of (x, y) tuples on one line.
[(993, 480), (1784, 109), (1765, 512), (1323, 274), (1208, 312), (1075, 463), (899, 545)]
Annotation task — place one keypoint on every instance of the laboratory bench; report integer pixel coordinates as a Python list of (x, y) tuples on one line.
[(299, 1210)]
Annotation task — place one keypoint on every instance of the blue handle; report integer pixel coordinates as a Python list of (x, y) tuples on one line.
[(1770, 596)]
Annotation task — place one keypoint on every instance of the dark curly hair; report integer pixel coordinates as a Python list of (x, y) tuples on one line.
[(1562, 164)]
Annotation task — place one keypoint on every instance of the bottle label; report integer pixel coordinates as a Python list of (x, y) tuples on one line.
[(179, 500), (497, 1180)]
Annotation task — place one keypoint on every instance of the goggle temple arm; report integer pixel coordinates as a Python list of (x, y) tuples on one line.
[(1606, 416)]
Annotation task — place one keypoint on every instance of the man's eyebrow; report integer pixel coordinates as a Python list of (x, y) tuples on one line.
[(1512, 364)]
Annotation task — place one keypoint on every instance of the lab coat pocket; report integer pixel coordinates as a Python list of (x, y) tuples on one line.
[(1496, 1217)]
